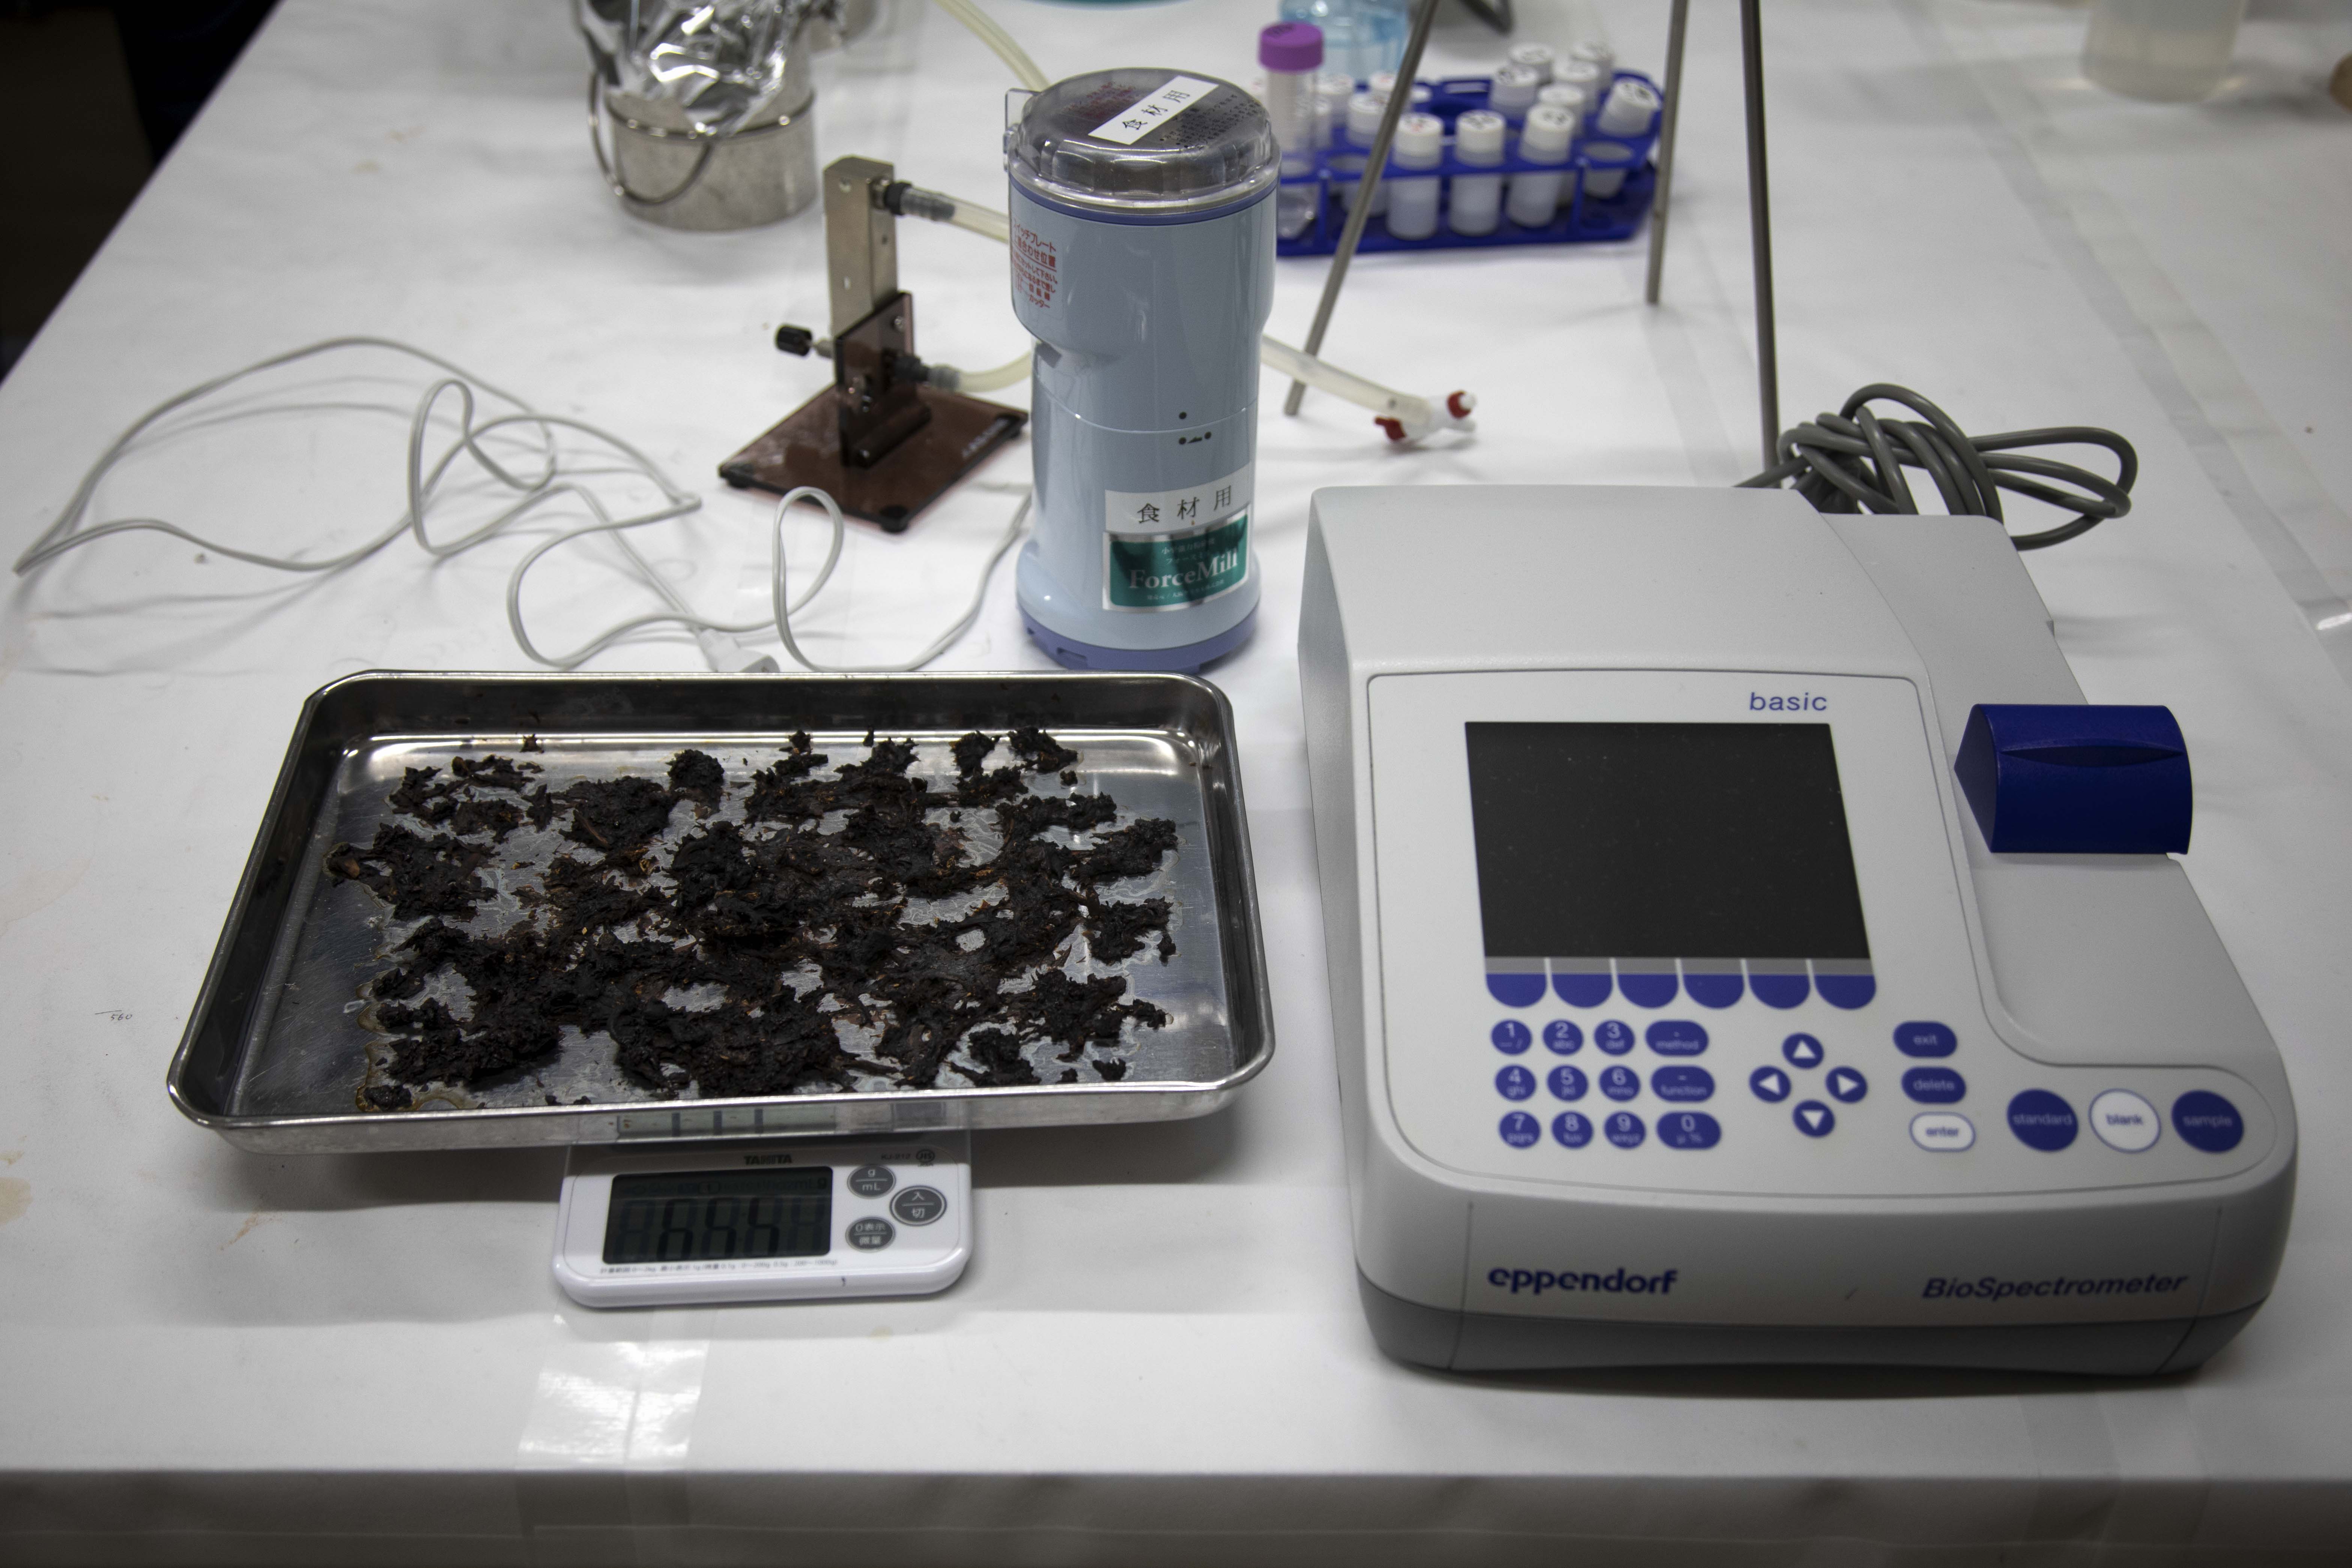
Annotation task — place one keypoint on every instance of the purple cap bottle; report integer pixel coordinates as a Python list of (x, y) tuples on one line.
[(1291, 46)]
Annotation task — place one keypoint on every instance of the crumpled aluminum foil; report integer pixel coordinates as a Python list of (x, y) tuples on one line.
[(716, 61)]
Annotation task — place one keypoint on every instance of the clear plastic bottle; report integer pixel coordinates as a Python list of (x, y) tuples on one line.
[(1473, 202), (1360, 36), (1631, 107), (1292, 52), (2172, 51), (1412, 204), (1535, 197)]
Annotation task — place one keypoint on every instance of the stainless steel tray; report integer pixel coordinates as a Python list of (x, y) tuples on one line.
[(276, 1051)]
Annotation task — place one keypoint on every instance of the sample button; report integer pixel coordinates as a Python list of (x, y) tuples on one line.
[(871, 1234), (2126, 1122), (2208, 1122), (919, 1205), (1947, 1131), (871, 1181)]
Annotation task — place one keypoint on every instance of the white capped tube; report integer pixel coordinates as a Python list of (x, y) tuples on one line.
[(1364, 111), (1569, 95), (1292, 53), (1586, 74), (1385, 83), (1332, 91), (1600, 55), (1515, 89), (1535, 197), (1631, 108), (1412, 204), (1537, 57), (1474, 202)]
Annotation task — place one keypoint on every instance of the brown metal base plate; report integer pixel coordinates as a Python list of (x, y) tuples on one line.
[(805, 449)]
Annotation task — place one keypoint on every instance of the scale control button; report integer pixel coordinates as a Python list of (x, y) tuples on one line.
[(2206, 1120), (1924, 1039), (1614, 1037), (1516, 990), (1946, 1131), (1847, 1086), (871, 1181), (1619, 1082), (1649, 990), (1624, 1129), (1520, 1131), (1566, 1083), (1935, 1086), (1562, 1038), (1814, 1119), (1783, 990), (1682, 1083), (1511, 1037), (1771, 1084), (1676, 1037), (1689, 1129), (1515, 1082), (919, 1205), (2126, 1122), (1717, 990), (871, 1234), (1574, 1130), (2042, 1121), (1803, 1051), (1582, 988)]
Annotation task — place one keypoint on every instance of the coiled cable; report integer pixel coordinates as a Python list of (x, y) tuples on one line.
[(1852, 461)]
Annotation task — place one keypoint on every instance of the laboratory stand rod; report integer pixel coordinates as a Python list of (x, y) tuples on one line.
[(1677, 26), (1759, 225)]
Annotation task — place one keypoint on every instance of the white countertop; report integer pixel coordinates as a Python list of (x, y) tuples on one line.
[(1157, 1353)]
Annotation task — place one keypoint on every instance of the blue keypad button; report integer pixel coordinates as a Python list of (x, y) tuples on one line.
[(1675, 1037), (1516, 990), (1624, 1129), (1562, 1038), (1582, 989), (1689, 1129), (1571, 1130), (1647, 990), (1566, 1083), (1802, 1050), (1935, 1086), (1813, 1119), (1619, 1082), (1520, 1131), (1516, 1082), (1771, 1084), (1846, 991), (1924, 1039), (1779, 990), (1511, 1037), (1713, 990), (2206, 1120), (1613, 1038), (1846, 1086), (2042, 1120), (1682, 1083)]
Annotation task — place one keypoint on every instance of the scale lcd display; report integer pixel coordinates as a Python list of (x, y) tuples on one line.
[(708, 1216), (1690, 841)]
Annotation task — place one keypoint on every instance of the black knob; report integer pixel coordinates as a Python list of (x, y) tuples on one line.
[(795, 340)]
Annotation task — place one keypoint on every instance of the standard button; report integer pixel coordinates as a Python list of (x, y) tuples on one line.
[(871, 1234), (1803, 1051), (1771, 1084), (1567, 1082), (1689, 1129), (1574, 1130), (2042, 1121), (919, 1205), (1847, 1086), (1619, 1082), (2206, 1120), (1613, 1038), (1510, 1037), (1515, 1082), (1624, 1129), (1935, 1086), (1520, 1131), (2126, 1122), (871, 1181), (1945, 1131), (1814, 1119), (1562, 1038), (1686, 1084), (1675, 1037), (1924, 1039)]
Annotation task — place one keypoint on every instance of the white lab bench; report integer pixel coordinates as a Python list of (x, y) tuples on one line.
[(1157, 1354)]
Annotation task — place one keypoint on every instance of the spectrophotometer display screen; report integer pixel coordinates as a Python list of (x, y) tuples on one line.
[(1662, 841)]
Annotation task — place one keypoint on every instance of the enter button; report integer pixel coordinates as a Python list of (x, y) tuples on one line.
[(2126, 1122), (1945, 1131)]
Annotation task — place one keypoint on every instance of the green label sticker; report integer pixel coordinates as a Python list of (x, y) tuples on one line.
[(1161, 574)]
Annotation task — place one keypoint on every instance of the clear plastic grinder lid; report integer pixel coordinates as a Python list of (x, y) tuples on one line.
[(1142, 139)]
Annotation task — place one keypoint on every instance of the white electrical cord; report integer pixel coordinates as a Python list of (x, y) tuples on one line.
[(717, 639)]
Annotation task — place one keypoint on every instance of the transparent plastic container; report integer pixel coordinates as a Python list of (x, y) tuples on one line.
[(2169, 52), (1360, 36)]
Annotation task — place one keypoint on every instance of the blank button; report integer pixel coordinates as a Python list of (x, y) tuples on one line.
[(2126, 1122)]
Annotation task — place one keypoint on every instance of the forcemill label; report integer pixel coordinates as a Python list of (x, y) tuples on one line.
[(1163, 550), (1145, 115)]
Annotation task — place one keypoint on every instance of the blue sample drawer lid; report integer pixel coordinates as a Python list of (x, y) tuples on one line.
[(2077, 779)]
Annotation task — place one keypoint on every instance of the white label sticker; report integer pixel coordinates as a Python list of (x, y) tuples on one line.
[(1135, 514), (1145, 115)]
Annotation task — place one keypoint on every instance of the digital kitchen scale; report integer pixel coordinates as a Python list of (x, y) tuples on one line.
[(814, 1220), (1746, 945)]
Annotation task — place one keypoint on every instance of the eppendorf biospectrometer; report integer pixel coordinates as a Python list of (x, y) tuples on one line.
[(1746, 945)]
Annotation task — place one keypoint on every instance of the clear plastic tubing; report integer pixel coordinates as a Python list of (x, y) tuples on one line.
[(1475, 202), (1515, 89), (1364, 111), (1412, 204), (1537, 57), (1332, 91), (1574, 72), (2170, 51), (1535, 197), (1631, 108), (1292, 52)]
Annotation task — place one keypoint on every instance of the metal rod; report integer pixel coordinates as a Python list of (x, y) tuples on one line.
[(1375, 158), (1759, 225), (1676, 27)]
